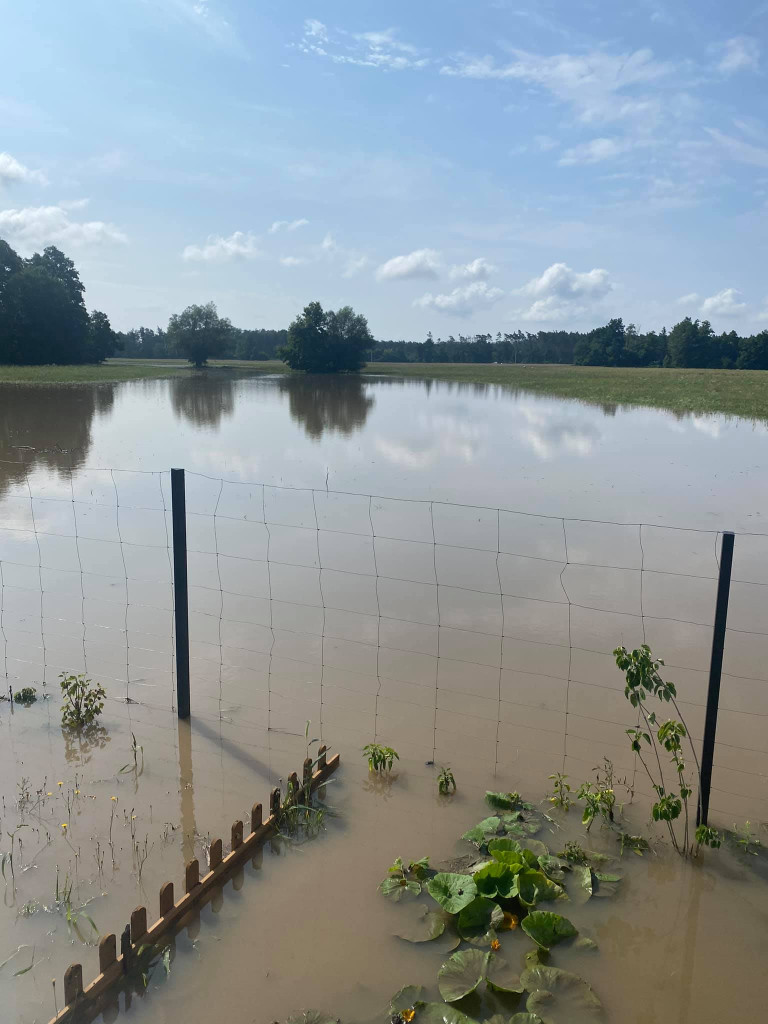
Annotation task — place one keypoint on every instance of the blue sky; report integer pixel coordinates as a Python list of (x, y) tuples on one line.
[(439, 165)]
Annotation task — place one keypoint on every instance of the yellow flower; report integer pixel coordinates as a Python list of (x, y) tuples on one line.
[(77, 792), (408, 1015), (133, 817), (59, 783), (510, 922), (495, 944), (49, 794), (63, 824), (113, 798)]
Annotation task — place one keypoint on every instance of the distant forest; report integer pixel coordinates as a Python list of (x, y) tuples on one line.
[(690, 343)]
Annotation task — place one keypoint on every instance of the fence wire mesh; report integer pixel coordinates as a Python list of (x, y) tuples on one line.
[(459, 631)]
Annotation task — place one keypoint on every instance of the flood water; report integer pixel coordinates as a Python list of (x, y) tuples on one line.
[(434, 566)]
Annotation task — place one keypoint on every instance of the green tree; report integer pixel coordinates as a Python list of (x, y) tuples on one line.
[(42, 325), (690, 343), (102, 340), (428, 349), (199, 333), (321, 341), (604, 346), (753, 352)]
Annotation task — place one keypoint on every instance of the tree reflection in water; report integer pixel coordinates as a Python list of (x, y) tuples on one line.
[(204, 398), (47, 427), (338, 403)]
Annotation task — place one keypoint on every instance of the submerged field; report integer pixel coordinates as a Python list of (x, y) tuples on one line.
[(732, 392), (114, 371)]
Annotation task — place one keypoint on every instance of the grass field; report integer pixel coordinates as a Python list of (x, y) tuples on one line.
[(114, 371), (732, 392)]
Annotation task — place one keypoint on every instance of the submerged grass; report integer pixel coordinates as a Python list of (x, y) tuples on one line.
[(115, 371), (730, 392)]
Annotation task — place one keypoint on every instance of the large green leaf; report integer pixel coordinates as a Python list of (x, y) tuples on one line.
[(483, 831), (478, 920), (497, 879), (452, 892), (533, 887), (580, 890), (439, 1013), (501, 976), (504, 801), (554, 867), (547, 929), (606, 885), (559, 997), (506, 851), (397, 887), (537, 848), (405, 998), (461, 974), (425, 926)]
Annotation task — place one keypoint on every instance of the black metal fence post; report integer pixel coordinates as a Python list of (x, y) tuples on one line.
[(180, 593), (715, 671)]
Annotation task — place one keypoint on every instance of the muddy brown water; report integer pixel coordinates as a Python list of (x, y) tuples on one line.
[(502, 689)]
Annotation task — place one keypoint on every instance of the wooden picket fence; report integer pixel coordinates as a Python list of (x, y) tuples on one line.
[(85, 1003)]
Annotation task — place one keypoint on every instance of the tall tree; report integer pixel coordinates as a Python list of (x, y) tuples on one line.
[(690, 343), (199, 333), (102, 340), (322, 341)]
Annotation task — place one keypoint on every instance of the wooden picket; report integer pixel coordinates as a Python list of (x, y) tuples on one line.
[(137, 935)]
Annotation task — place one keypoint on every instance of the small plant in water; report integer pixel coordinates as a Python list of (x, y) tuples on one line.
[(599, 803), (380, 759), (745, 839), (574, 853), (641, 671), (83, 700), (559, 796), (27, 695), (446, 782), (637, 844)]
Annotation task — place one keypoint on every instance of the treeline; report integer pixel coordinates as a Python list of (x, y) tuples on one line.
[(43, 318), (149, 343), (690, 343)]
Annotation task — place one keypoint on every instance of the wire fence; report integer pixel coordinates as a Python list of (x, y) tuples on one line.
[(462, 632)]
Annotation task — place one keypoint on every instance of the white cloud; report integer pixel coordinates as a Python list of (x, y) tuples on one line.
[(35, 226), (739, 150), (462, 301), (293, 261), (288, 225), (14, 173), (596, 84), (741, 53), (596, 150), (472, 271), (544, 143), (724, 303), (420, 263), (315, 29), (561, 292), (688, 300), (377, 49), (217, 249), (354, 265)]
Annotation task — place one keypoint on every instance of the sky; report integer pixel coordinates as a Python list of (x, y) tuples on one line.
[(442, 165)]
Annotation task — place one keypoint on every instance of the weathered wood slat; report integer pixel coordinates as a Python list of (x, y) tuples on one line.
[(88, 1001)]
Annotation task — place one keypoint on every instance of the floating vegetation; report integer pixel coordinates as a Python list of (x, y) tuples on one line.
[(26, 696)]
